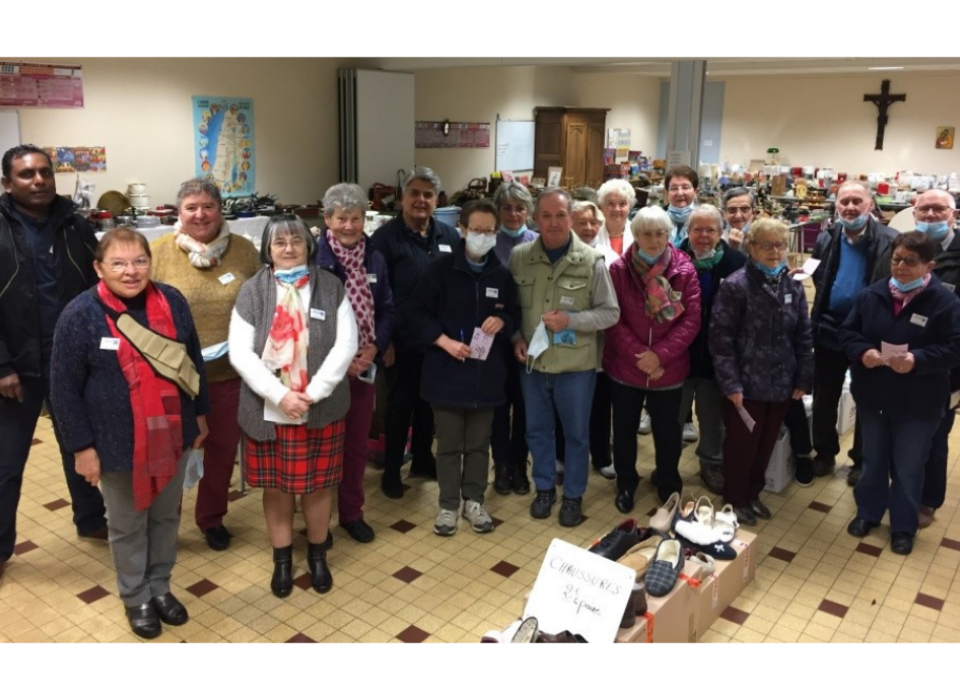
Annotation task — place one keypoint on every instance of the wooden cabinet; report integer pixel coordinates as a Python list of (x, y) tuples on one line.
[(572, 139)]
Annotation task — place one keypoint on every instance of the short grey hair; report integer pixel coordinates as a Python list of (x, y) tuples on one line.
[(584, 204), (285, 224), (651, 219), (707, 211), (551, 192), (738, 192), (619, 187), (345, 196), (767, 226), (512, 192), (197, 186), (422, 172)]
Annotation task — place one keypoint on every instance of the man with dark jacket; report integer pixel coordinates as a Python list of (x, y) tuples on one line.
[(409, 243), (46, 259), (848, 254)]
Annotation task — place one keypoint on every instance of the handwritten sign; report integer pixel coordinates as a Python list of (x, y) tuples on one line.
[(579, 591), (480, 345)]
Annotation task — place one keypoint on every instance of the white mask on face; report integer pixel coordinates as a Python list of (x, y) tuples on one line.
[(479, 244)]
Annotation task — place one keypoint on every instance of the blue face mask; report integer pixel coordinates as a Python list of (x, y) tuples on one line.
[(854, 224), (513, 233), (908, 287), (649, 259), (293, 275), (679, 215), (935, 230), (770, 271)]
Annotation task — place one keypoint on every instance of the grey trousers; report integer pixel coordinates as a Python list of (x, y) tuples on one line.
[(463, 453), (143, 542), (709, 417)]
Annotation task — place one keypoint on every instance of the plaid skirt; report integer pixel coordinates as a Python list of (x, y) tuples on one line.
[(300, 460)]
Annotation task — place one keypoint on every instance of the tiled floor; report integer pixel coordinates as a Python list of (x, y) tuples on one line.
[(813, 583)]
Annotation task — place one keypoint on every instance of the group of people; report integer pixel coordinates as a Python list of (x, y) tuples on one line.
[(533, 327)]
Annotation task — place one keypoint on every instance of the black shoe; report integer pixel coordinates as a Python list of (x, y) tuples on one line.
[(282, 582), (502, 478), (624, 501), (392, 487), (745, 515), (570, 512), (804, 472), (358, 530), (521, 484), (543, 504), (712, 477), (859, 527), (823, 466), (615, 543), (170, 610), (424, 467), (760, 510), (901, 543), (101, 534), (144, 621), (320, 575), (218, 538), (854, 476)]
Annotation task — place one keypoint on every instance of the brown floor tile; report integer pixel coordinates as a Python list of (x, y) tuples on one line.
[(865, 548), (24, 547), (782, 554), (831, 608), (407, 574), (91, 595), (818, 506), (735, 615), (402, 526), (36, 441), (412, 635), (929, 601), (496, 521), (505, 569), (57, 504), (300, 638), (202, 587), (303, 581), (950, 544)]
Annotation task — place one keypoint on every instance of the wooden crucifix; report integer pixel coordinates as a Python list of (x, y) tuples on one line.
[(883, 101)]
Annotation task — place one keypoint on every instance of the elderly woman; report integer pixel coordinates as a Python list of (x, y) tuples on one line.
[(208, 264), (762, 351), (343, 250), (508, 441), (465, 310), (738, 209), (617, 198), (292, 340), (129, 426), (646, 351), (900, 391), (680, 182), (587, 222), (714, 261)]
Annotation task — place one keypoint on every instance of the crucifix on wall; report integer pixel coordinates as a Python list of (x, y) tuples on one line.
[(883, 101)]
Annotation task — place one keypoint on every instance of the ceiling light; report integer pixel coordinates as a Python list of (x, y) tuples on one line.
[(885, 68)]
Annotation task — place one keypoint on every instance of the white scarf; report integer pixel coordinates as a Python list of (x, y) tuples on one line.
[(203, 254)]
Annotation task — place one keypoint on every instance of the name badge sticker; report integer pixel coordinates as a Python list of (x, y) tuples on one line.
[(318, 314), (919, 320), (371, 279), (787, 298), (566, 301), (226, 278), (445, 248), (493, 293), (110, 344), (951, 287)]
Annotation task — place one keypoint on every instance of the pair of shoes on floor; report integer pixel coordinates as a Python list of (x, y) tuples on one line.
[(101, 534), (359, 530), (901, 543), (145, 619), (823, 466), (664, 571), (218, 538), (712, 477), (690, 433), (925, 517), (170, 610), (281, 583), (854, 476), (645, 427), (859, 527)]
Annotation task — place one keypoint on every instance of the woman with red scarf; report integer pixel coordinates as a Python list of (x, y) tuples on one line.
[(292, 339), (129, 427)]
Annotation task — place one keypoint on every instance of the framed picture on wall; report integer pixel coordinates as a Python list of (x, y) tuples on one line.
[(553, 176), (538, 182), (945, 137)]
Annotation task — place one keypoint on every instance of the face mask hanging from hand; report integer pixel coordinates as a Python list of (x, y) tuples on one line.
[(539, 344)]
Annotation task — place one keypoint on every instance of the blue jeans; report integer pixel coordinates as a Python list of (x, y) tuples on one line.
[(895, 451), (568, 393)]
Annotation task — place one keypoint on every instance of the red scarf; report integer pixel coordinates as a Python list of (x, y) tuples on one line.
[(155, 402)]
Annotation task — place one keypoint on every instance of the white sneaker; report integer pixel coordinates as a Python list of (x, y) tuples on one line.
[(608, 472), (645, 428), (690, 433), (560, 467), (446, 523), (477, 516)]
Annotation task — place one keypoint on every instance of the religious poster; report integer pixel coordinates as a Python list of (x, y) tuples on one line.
[(79, 159), (223, 143), (945, 137), (40, 85)]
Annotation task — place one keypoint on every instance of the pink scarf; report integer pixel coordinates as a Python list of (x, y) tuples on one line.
[(662, 302), (358, 286)]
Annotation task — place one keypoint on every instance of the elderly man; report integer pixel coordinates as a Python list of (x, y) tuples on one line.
[(849, 253), (409, 243), (46, 259), (738, 208), (566, 298)]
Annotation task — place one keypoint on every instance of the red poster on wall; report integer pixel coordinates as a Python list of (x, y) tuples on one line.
[(40, 85)]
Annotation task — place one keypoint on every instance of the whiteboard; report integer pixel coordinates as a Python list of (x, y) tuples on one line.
[(515, 145), (9, 130)]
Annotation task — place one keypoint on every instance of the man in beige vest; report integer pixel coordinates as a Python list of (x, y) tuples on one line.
[(566, 298)]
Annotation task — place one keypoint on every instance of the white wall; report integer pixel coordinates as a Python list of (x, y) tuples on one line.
[(633, 100), (141, 111), (824, 121)]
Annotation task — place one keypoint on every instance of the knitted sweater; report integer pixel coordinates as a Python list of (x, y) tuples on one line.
[(211, 300)]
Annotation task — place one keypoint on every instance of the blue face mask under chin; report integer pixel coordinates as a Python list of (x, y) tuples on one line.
[(909, 286), (854, 224), (935, 230), (770, 271), (514, 233), (647, 258), (293, 275), (679, 215)]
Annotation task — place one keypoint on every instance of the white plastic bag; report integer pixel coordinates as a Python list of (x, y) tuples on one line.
[(193, 471)]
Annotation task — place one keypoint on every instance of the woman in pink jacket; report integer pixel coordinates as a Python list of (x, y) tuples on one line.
[(646, 355)]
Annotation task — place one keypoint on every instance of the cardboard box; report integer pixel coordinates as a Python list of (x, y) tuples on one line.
[(634, 635), (720, 589), (780, 469), (673, 618)]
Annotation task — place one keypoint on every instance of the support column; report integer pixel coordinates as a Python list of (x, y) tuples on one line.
[(684, 113)]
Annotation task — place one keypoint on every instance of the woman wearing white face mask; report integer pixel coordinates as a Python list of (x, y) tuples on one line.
[(681, 183), (464, 312)]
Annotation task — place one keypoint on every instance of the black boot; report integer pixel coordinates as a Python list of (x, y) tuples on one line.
[(282, 582), (320, 575), (502, 478), (521, 484)]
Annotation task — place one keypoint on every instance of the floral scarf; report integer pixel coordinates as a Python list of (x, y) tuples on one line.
[(286, 347), (203, 254), (358, 286), (662, 302)]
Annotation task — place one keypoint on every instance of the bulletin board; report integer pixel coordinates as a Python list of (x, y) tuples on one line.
[(515, 145)]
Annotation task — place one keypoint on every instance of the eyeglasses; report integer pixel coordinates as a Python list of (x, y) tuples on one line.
[(909, 262), (119, 266), (937, 209), (292, 241), (680, 188), (707, 231), (767, 246), (510, 209), (738, 210)]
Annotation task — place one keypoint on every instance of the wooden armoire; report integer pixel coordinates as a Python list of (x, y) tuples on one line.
[(573, 139)]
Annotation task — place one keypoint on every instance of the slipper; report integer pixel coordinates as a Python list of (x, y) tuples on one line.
[(718, 550), (662, 520), (727, 515), (640, 555), (706, 564), (664, 572)]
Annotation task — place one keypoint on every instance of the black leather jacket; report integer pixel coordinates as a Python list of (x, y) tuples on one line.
[(73, 251)]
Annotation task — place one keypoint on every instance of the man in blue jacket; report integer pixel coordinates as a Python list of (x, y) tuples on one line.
[(46, 259)]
